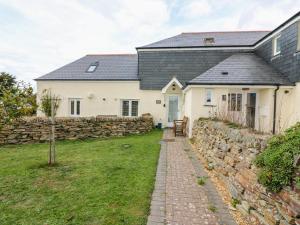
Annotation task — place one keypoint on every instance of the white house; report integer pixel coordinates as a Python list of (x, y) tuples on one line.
[(248, 77)]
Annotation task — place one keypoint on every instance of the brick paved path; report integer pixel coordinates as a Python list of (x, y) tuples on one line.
[(178, 198)]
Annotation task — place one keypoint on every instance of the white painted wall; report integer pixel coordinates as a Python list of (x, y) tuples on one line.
[(288, 105), (112, 91), (196, 107), (192, 103)]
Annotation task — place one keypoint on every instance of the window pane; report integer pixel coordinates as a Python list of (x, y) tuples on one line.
[(125, 108), (239, 102), (78, 107), (298, 48), (233, 102), (208, 96), (278, 46), (72, 107), (224, 98), (229, 108), (92, 68), (134, 108)]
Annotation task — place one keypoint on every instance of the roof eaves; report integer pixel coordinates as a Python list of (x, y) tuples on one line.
[(198, 46), (56, 79), (239, 84)]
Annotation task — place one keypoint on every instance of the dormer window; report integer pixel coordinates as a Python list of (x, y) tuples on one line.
[(92, 67), (276, 45), (209, 41)]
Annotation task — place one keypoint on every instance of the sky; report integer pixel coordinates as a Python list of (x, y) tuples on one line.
[(38, 36)]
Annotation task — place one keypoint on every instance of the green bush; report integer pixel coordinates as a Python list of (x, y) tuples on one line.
[(235, 202), (277, 160)]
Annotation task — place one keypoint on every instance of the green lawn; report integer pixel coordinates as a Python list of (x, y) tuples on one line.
[(94, 182)]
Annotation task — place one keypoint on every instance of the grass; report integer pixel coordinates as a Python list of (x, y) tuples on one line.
[(212, 208), (95, 181), (202, 180)]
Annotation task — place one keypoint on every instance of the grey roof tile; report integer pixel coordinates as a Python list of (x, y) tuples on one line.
[(242, 68), (230, 38), (111, 67)]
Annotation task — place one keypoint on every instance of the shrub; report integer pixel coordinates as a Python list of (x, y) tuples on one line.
[(235, 202), (277, 160), (202, 180)]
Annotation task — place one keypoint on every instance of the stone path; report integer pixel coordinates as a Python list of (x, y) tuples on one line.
[(177, 198)]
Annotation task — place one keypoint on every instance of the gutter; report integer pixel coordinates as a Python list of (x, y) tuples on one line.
[(203, 46), (58, 79), (274, 110), (239, 84)]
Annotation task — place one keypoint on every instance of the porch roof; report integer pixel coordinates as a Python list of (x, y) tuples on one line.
[(242, 69)]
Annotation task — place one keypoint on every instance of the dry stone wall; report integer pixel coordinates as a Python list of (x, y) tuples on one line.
[(36, 129), (230, 153)]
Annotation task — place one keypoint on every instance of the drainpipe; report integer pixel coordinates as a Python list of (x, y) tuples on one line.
[(274, 111)]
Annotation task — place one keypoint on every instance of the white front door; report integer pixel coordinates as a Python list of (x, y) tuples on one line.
[(173, 109)]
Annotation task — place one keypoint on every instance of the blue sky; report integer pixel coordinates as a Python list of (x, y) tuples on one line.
[(38, 36)]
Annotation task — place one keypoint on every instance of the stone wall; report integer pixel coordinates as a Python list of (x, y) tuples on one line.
[(36, 129), (230, 153)]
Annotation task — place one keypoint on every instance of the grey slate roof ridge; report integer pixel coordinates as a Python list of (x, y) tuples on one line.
[(251, 45), (222, 39), (270, 75)]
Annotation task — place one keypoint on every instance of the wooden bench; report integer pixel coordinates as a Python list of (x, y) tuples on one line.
[(180, 126)]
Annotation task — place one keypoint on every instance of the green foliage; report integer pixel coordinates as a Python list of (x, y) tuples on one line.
[(277, 160), (235, 202), (7, 82), (202, 180), (16, 99), (45, 104), (212, 208), (297, 182)]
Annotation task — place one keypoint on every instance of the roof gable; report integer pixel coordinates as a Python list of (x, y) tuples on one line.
[(173, 81)]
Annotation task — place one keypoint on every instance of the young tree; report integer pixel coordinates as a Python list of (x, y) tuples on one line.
[(17, 99), (49, 106)]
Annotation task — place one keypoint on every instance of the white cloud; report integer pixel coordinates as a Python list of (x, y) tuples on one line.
[(268, 15), (196, 9)]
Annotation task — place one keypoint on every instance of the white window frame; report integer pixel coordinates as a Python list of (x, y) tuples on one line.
[(92, 68), (75, 107), (206, 96), (229, 102), (298, 44), (130, 107), (275, 41)]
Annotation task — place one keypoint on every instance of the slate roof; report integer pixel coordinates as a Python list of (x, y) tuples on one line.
[(230, 38), (111, 67), (243, 69)]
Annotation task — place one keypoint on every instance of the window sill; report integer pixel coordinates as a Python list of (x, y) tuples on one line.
[(276, 56), (209, 105), (130, 116), (297, 53)]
